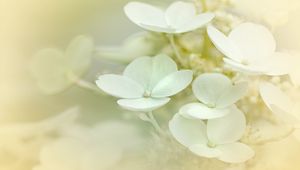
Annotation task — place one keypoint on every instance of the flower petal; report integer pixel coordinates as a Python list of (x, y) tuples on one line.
[(252, 69), (205, 151), (232, 95), (196, 22), (272, 95), (120, 86), (79, 53), (177, 19), (173, 83), (227, 129), (143, 104), (208, 87), (144, 14), (188, 132), (277, 65), (224, 44), (201, 111), (235, 152), (255, 41)]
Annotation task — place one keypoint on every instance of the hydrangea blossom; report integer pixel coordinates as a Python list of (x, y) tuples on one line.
[(218, 138), (168, 21), (217, 94), (146, 83), (249, 48), (55, 70), (280, 103)]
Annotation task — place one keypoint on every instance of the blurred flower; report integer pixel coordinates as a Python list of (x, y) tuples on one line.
[(280, 103), (168, 21), (136, 45), (218, 138), (249, 48), (217, 94), (83, 148), (56, 70), (146, 83)]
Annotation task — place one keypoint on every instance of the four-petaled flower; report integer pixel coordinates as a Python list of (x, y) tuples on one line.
[(179, 17), (249, 48), (217, 94), (218, 138), (146, 83)]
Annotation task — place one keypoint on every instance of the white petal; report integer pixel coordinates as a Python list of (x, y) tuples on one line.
[(201, 111), (272, 95), (79, 53), (232, 95), (143, 104), (163, 66), (205, 151), (252, 68), (120, 86), (227, 129), (255, 41), (188, 131), (235, 152), (173, 83), (209, 87), (196, 22), (223, 44), (144, 14), (140, 70), (278, 65), (177, 19)]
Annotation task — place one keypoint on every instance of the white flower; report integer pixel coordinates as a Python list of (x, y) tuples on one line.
[(280, 104), (249, 48), (146, 83), (179, 17), (217, 94), (218, 138), (55, 70)]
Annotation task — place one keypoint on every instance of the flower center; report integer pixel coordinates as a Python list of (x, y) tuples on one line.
[(211, 144), (147, 94)]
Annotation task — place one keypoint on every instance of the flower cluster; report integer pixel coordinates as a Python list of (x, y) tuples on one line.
[(222, 81)]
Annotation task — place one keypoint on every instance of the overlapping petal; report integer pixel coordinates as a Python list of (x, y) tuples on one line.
[(143, 104), (205, 151), (235, 152)]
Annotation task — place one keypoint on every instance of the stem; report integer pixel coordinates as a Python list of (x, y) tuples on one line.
[(201, 5), (171, 38), (87, 85), (148, 117), (204, 5)]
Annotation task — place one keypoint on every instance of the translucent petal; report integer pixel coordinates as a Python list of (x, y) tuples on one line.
[(173, 83), (177, 19), (208, 87), (163, 66), (79, 53), (278, 65), (143, 104), (272, 95), (201, 111), (141, 13), (188, 132), (223, 44), (140, 70), (120, 86), (227, 129), (195, 22), (255, 41), (235, 152), (232, 95), (252, 69), (205, 151), (50, 69)]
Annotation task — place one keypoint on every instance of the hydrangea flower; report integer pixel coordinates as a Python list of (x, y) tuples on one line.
[(249, 48), (217, 95), (168, 21), (280, 103), (55, 70), (146, 83), (218, 138)]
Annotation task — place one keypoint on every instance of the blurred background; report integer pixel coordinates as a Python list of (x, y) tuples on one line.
[(29, 25)]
